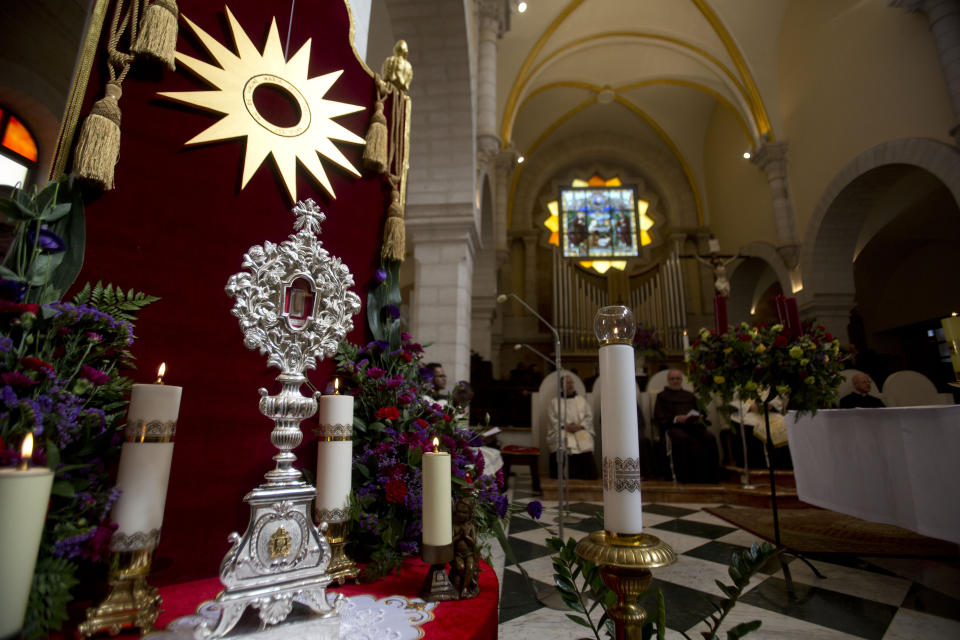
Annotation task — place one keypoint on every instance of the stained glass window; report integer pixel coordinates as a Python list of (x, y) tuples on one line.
[(18, 150)]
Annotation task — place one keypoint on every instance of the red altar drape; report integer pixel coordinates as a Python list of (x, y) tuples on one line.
[(474, 619), (177, 226)]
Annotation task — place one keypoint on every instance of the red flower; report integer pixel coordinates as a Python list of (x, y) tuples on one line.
[(388, 413), (95, 376), (396, 490), (780, 341), (447, 417), (406, 356), (828, 337), (17, 379), (36, 364), (18, 307), (744, 337), (803, 373)]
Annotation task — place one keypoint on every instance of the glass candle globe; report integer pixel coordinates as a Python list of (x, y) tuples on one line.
[(614, 325)]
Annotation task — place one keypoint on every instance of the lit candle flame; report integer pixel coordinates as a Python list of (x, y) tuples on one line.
[(336, 386), (436, 445), (161, 371), (26, 452)]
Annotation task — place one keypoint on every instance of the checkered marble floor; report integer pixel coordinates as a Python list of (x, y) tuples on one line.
[(888, 598)]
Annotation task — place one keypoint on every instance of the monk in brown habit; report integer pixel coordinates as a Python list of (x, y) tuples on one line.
[(695, 455)]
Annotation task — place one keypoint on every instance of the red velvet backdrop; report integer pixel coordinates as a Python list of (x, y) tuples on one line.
[(177, 226)]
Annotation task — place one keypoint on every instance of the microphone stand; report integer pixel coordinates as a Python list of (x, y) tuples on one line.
[(552, 598)]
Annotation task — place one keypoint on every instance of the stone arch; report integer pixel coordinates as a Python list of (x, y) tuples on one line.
[(835, 229), (657, 167)]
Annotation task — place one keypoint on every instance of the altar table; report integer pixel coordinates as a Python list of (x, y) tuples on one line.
[(896, 465), (474, 619)]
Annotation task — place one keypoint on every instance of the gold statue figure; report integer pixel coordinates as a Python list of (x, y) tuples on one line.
[(396, 69), (465, 569)]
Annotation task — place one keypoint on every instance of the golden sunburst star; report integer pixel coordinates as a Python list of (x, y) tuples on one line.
[(236, 79)]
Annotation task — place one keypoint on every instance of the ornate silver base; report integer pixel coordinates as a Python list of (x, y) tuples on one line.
[(281, 559)]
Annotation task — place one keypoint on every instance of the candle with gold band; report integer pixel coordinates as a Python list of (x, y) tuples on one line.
[(334, 456), (951, 333), (615, 327), (145, 464), (24, 494), (437, 509)]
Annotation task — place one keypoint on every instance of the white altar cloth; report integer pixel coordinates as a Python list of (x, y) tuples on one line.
[(362, 617), (896, 465)]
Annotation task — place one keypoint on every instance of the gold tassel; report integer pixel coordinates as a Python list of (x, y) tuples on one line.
[(394, 232), (158, 32), (375, 151), (98, 148)]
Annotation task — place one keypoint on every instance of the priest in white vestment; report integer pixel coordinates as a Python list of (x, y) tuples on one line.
[(577, 422)]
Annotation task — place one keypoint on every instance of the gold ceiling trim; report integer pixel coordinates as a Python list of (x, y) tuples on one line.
[(643, 35), (753, 94), (514, 96), (553, 126), (566, 84), (676, 152), (747, 87)]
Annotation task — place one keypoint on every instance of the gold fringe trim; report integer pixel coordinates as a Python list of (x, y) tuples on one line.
[(394, 232), (158, 32), (375, 151), (98, 147)]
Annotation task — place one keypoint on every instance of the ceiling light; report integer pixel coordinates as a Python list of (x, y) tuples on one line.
[(521, 7), (606, 95), (520, 159), (746, 155)]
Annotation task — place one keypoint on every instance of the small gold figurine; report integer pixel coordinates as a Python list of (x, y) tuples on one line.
[(279, 544), (465, 569), (396, 69)]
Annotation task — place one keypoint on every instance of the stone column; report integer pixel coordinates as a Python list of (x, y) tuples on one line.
[(492, 17), (444, 241), (530, 296), (771, 157), (944, 18), (832, 310)]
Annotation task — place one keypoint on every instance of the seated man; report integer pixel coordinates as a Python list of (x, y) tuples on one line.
[(695, 455), (861, 398), (758, 455), (578, 429)]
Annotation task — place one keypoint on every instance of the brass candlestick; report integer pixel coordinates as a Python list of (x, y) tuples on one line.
[(625, 563), (436, 586), (342, 567), (131, 602)]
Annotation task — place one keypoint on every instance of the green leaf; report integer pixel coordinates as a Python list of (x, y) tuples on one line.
[(63, 488), (580, 621), (742, 629), (53, 214)]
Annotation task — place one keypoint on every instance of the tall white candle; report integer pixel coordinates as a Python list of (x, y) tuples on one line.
[(622, 502), (686, 346), (334, 457), (437, 499), (145, 461), (24, 495)]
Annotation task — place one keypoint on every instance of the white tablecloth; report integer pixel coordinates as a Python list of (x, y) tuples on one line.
[(898, 466)]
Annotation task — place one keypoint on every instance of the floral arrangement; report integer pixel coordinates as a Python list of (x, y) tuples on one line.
[(61, 369), (804, 370), (646, 342), (395, 423)]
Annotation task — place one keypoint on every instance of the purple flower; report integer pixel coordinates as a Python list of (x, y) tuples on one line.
[(9, 397), (49, 242), (409, 548), (13, 290), (380, 275), (95, 376), (375, 373), (393, 311), (535, 509), (6, 344)]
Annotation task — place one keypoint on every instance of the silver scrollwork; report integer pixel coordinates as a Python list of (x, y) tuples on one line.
[(621, 474), (293, 302)]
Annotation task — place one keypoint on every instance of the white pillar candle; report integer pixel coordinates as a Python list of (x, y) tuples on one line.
[(437, 500), (686, 347), (145, 461), (334, 457), (24, 495), (622, 502)]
